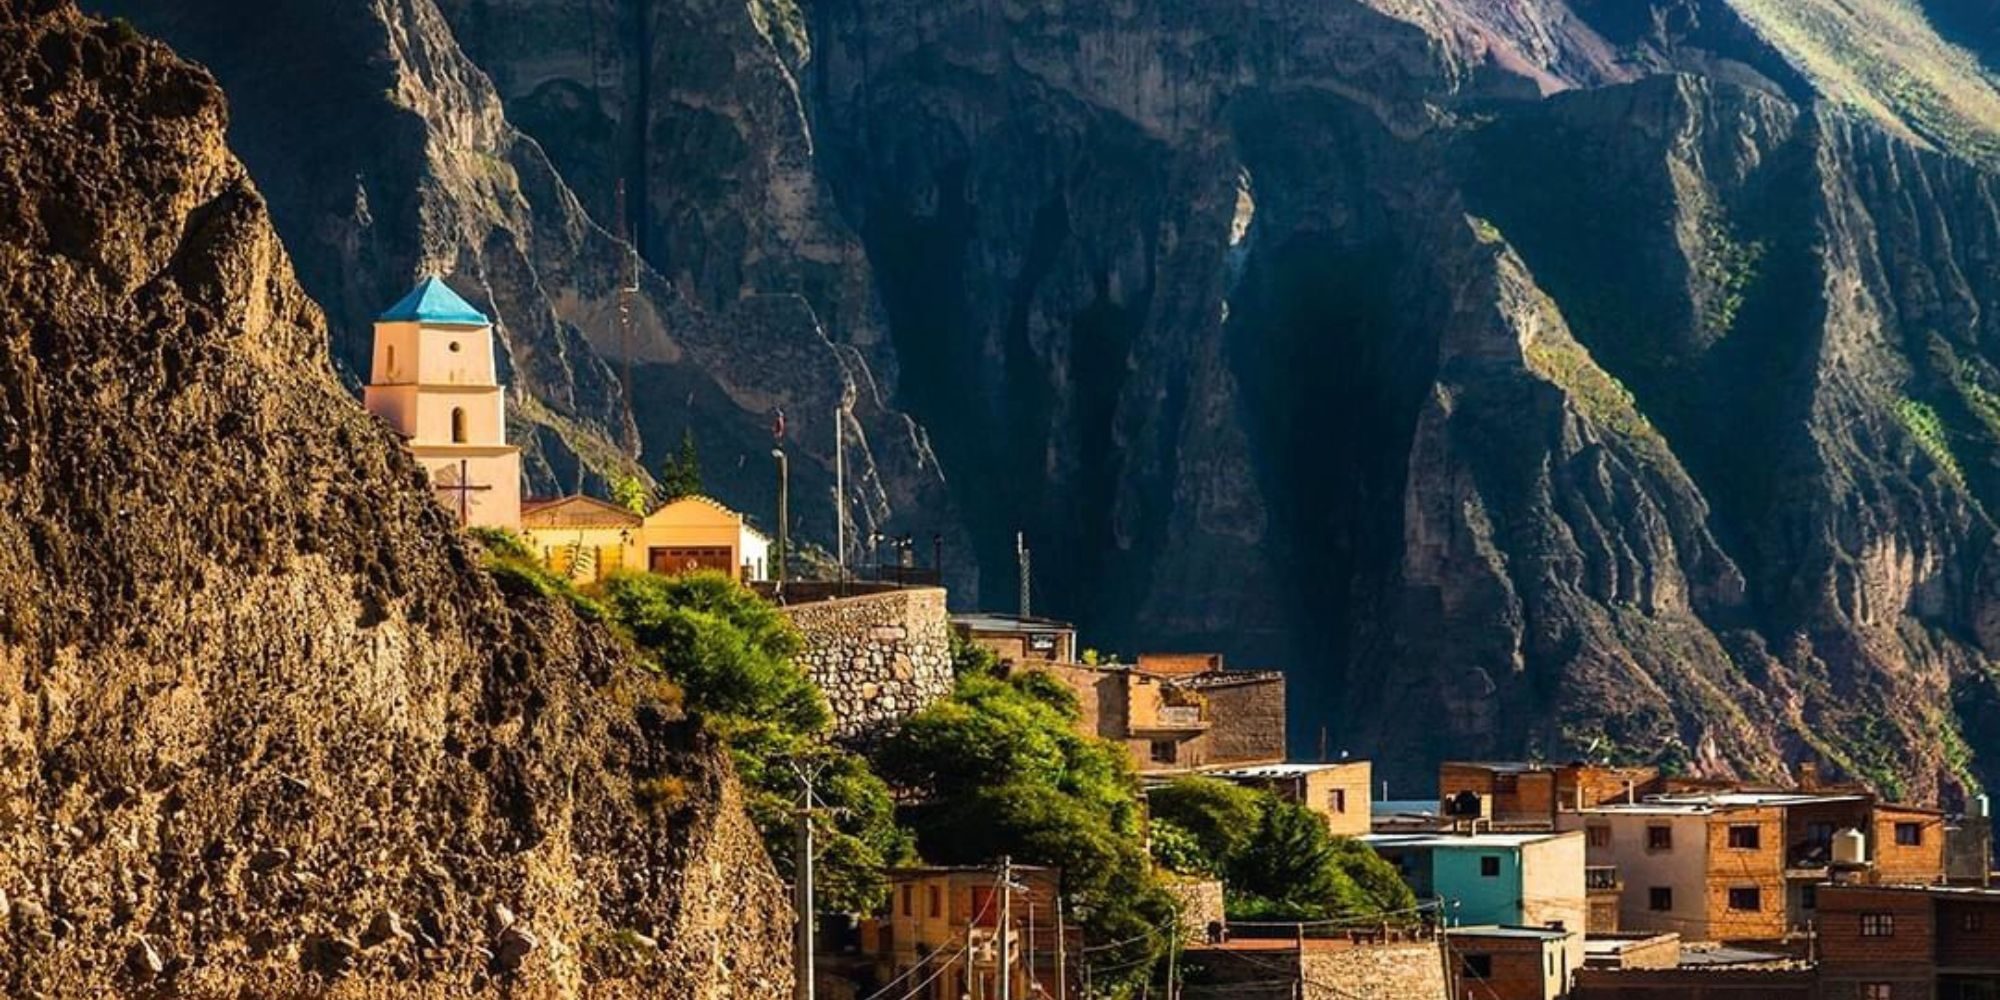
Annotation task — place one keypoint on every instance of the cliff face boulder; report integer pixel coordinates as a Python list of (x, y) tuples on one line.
[(266, 725)]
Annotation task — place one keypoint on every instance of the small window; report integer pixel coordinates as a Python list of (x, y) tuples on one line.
[(1878, 925), (1748, 900), (1477, 966), (1165, 751), (907, 911), (1600, 836), (1909, 835), (390, 363), (1339, 800), (1809, 897), (1744, 837), (453, 346), (1660, 898), (1659, 838), (1489, 866), (457, 425), (936, 899), (1971, 921), (1877, 991)]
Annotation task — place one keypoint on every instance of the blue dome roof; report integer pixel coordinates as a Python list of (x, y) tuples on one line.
[(433, 301)]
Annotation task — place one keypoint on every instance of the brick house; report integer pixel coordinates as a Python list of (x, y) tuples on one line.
[(1533, 794), (942, 933), (1745, 866), (1340, 791), (1513, 963), (1181, 721), (1909, 943)]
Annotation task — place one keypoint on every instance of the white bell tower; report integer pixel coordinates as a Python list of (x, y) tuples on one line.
[(433, 380)]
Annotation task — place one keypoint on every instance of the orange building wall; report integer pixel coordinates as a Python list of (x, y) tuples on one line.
[(1898, 864), (1761, 868)]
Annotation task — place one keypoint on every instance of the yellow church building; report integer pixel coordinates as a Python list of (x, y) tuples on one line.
[(433, 381), (588, 539)]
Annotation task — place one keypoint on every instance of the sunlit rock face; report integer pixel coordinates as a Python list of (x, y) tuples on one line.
[(1528, 377)]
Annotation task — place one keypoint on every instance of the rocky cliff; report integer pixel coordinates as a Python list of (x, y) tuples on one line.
[(265, 724), (1526, 377)]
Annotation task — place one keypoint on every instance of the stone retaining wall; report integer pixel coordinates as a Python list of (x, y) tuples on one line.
[(879, 657)]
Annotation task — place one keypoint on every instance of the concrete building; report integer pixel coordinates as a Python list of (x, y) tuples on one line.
[(1746, 866), (432, 380), (1020, 640), (1511, 879), (942, 933), (588, 539), (1514, 963), (1340, 792), (1909, 943)]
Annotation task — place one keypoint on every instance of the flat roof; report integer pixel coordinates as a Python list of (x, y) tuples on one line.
[(1510, 931), (1283, 770), (1394, 807), (991, 621), (1606, 945), (1463, 840), (1723, 955)]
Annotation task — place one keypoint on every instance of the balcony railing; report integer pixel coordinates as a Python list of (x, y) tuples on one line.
[(1177, 716), (1601, 880)]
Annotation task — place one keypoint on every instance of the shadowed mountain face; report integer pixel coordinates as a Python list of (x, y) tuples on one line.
[(266, 725), (1548, 377)]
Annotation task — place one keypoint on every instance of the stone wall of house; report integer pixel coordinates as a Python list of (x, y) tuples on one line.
[(1410, 971), (1247, 719), (878, 657)]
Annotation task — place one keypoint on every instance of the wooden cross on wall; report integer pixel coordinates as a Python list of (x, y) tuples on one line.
[(464, 488)]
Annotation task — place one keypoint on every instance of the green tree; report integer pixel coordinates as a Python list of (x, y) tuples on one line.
[(1219, 815), (731, 654), (1001, 769), (631, 493), (680, 476)]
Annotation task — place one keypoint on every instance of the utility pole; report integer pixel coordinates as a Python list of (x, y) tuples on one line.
[(1062, 957), (784, 497), (1021, 556), (1006, 927), (802, 987), (840, 495)]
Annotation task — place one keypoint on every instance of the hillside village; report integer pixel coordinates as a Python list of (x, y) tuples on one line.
[(1529, 880)]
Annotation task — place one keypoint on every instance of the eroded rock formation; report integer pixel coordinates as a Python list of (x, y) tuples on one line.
[(266, 726)]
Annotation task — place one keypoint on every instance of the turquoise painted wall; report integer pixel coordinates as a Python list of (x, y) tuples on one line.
[(1481, 899)]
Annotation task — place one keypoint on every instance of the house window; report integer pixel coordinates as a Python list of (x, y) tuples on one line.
[(1877, 991), (1878, 925), (453, 346), (1660, 898), (458, 425), (1165, 751), (1600, 836), (935, 896), (1489, 867), (1909, 835), (1476, 966), (1659, 838), (1338, 800), (907, 910), (1744, 837), (390, 364), (1971, 922), (1749, 900)]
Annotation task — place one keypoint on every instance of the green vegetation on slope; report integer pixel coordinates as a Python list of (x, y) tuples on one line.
[(1884, 59)]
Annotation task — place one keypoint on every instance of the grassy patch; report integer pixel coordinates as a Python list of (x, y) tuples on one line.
[(1727, 267), (1929, 432), (1597, 395)]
